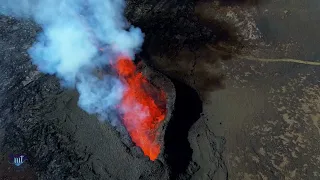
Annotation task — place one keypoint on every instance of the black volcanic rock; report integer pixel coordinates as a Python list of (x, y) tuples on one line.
[(43, 121), (40, 119), (169, 25)]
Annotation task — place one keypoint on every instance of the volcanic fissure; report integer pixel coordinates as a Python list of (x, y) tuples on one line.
[(87, 36), (187, 110), (142, 107)]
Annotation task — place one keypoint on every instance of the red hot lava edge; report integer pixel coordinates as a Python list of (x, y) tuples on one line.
[(141, 114)]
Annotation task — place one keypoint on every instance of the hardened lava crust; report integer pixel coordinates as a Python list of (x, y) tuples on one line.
[(42, 120)]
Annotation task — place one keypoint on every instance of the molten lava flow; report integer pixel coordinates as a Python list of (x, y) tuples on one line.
[(141, 113)]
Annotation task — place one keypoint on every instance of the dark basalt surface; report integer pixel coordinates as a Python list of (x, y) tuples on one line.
[(187, 110), (40, 119), (172, 25)]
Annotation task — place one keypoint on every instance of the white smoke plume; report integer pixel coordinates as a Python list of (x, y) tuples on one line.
[(68, 46)]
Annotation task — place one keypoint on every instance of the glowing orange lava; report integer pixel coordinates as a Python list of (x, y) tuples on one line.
[(141, 113)]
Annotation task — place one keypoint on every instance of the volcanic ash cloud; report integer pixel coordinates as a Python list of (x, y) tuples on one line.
[(68, 46)]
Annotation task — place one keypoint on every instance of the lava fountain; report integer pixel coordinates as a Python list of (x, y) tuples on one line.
[(142, 107)]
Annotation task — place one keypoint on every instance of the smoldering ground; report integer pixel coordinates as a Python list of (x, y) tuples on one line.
[(68, 46)]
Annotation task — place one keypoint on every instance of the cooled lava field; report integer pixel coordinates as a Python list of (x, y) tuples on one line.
[(159, 90)]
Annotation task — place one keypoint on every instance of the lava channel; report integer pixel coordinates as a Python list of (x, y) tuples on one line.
[(141, 112)]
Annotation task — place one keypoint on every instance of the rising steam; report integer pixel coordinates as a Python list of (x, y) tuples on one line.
[(68, 46)]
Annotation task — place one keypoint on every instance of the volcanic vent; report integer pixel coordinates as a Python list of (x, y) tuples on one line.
[(70, 48), (143, 107)]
